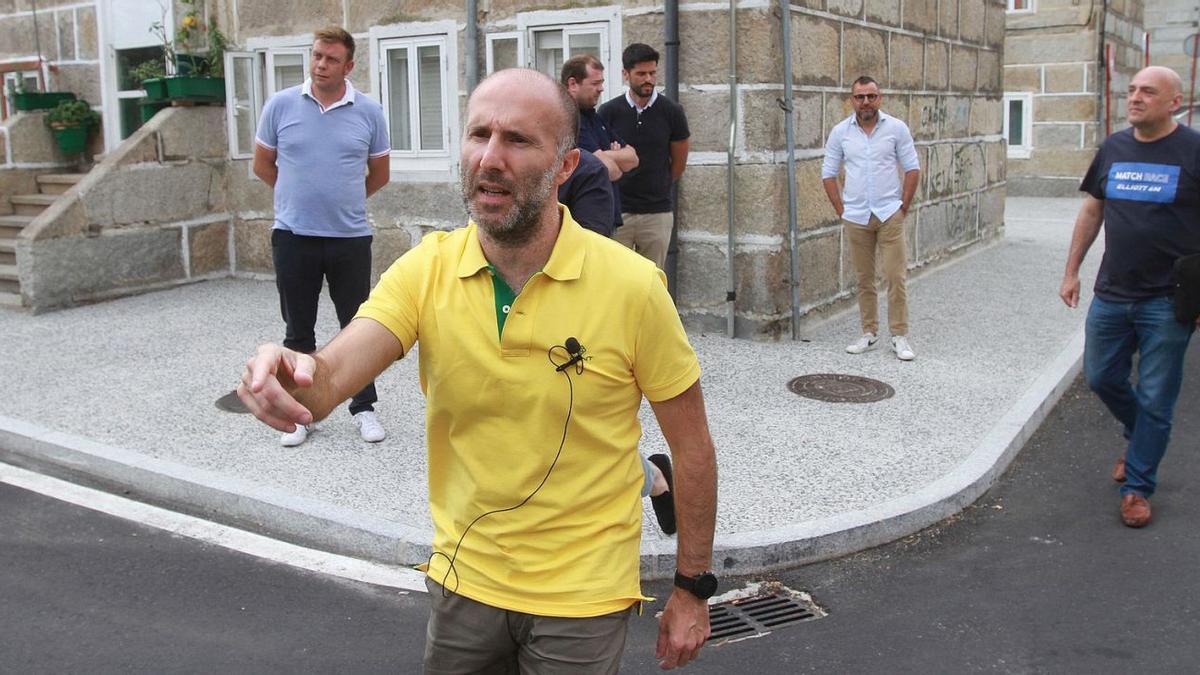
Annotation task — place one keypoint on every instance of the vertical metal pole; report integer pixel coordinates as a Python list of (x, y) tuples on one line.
[(671, 56), (37, 45), (471, 46), (731, 292), (788, 125), (1146, 49), (1108, 76), (1192, 81)]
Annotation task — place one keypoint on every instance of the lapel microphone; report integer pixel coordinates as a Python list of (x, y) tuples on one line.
[(575, 350)]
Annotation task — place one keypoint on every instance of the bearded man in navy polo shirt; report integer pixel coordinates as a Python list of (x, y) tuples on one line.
[(315, 143)]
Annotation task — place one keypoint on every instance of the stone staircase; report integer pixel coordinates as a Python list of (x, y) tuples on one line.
[(25, 209)]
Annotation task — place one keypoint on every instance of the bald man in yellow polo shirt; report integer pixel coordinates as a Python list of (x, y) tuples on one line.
[(538, 340)]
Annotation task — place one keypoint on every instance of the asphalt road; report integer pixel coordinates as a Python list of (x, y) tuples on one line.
[(1039, 576)]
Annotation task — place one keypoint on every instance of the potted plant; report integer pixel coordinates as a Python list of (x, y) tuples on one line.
[(36, 100), (191, 72), (71, 121)]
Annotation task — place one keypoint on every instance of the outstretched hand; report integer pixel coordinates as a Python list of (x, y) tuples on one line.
[(682, 630), (269, 384)]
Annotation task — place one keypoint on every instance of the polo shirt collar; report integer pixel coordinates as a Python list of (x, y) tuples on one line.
[(632, 104), (882, 117), (346, 99), (566, 260)]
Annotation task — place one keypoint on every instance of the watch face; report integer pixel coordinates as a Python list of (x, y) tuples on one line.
[(706, 585)]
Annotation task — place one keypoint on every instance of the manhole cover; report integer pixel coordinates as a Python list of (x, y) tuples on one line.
[(231, 403), (759, 615), (835, 388)]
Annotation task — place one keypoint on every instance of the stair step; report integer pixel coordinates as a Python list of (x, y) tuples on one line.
[(10, 286), (10, 299), (8, 251), (8, 271), (31, 205), (57, 183), (11, 226)]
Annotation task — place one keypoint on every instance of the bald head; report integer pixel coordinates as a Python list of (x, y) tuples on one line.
[(1155, 93), (1166, 79), (533, 82)]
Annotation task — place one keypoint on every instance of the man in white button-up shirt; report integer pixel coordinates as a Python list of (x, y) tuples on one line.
[(871, 145)]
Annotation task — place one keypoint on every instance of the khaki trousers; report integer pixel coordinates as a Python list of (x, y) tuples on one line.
[(648, 234), (879, 252), (465, 636)]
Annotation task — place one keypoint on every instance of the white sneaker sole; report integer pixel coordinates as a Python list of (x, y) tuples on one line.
[(853, 350)]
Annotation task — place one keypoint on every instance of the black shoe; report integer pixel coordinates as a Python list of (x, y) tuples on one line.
[(664, 504)]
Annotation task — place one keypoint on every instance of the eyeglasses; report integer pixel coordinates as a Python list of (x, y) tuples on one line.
[(865, 97)]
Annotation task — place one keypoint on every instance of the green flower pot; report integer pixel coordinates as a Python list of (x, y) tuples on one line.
[(41, 100), (71, 140), (156, 89), (197, 89)]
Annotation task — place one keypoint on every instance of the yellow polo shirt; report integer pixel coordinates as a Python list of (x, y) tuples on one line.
[(496, 408)]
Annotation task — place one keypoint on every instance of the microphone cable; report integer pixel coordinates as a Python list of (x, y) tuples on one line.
[(563, 368)]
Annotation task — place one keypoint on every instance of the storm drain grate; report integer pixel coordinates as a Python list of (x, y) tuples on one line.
[(759, 615), (231, 403), (836, 388)]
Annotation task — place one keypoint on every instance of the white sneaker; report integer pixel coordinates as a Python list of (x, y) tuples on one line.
[(903, 350), (369, 427), (862, 344), (294, 438)]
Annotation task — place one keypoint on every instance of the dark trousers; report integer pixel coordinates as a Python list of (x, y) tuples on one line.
[(301, 265)]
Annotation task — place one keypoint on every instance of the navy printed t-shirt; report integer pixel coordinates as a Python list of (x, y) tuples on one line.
[(1151, 194)]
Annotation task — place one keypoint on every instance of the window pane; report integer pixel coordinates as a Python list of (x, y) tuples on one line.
[(289, 70), (504, 54), (128, 59), (243, 103), (400, 127), (548, 52), (1016, 122), (429, 97), (584, 43)]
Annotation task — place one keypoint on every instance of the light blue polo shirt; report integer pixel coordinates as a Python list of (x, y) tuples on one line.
[(322, 156)]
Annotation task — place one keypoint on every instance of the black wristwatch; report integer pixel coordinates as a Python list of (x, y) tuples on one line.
[(703, 586)]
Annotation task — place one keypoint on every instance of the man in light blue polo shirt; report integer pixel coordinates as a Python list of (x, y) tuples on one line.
[(871, 144), (315, 143)]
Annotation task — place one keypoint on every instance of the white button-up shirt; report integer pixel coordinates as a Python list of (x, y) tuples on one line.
[(872, 181)]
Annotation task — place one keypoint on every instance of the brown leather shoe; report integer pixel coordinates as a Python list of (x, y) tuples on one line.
[(1118, 473), (1135, 510)]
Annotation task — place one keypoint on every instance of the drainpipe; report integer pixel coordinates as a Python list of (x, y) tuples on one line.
[(671, 55), (786, 104), (731, 292), (471, 45)]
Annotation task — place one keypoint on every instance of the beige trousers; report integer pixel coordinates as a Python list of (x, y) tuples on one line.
[(648, 234), (879, 252)]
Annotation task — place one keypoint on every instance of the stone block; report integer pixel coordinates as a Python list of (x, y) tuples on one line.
[(708, 118), (907, 62), (64, 218), (819, 259), (66, 35), (925, 117), (757, 43), (1057, 136), (994, 25), (1023, 78), (837, 108), (986, 116), (80, 78), (972, 21), (77, 269), (996, 154), (851, 8), (815, 50), (864, 52), (18, 31), (245, 191), (388, 245), (31, 140), (937, 64), (208, 248), (434, 204), (991, 211), (1060, 162), (765, 121), (363, 14), (920, 15), (1064, 108), (286, 17), (886, 12), (762, 288), (760, 200), (89, 43), (1093, 133), (813, 210), (197, 132), (1049, 48), (956, 120), (648, 29), (989, 73), (252, 246), (964, 62), (948, 18), (970, 167), (14, 181), (944, 226), (152, 193), (939, 172), (1067, 78)]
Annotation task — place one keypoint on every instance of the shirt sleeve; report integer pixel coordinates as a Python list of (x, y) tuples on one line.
[(1093, 182), (833, 154), (380, 144), (268, 134), (664, 363), (589, 195), (394, 302), (679, 124), (906, 151)]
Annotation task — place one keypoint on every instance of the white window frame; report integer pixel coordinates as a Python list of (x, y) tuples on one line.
[(1030, 8), (256, 100), (421, 165), (509, 35), (572, 21), (269, 69), (1024, 150)]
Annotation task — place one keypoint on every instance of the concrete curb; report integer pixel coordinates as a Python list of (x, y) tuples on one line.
[(318, 524)]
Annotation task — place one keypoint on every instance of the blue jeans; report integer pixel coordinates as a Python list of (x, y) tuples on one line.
[(1115, 330)]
